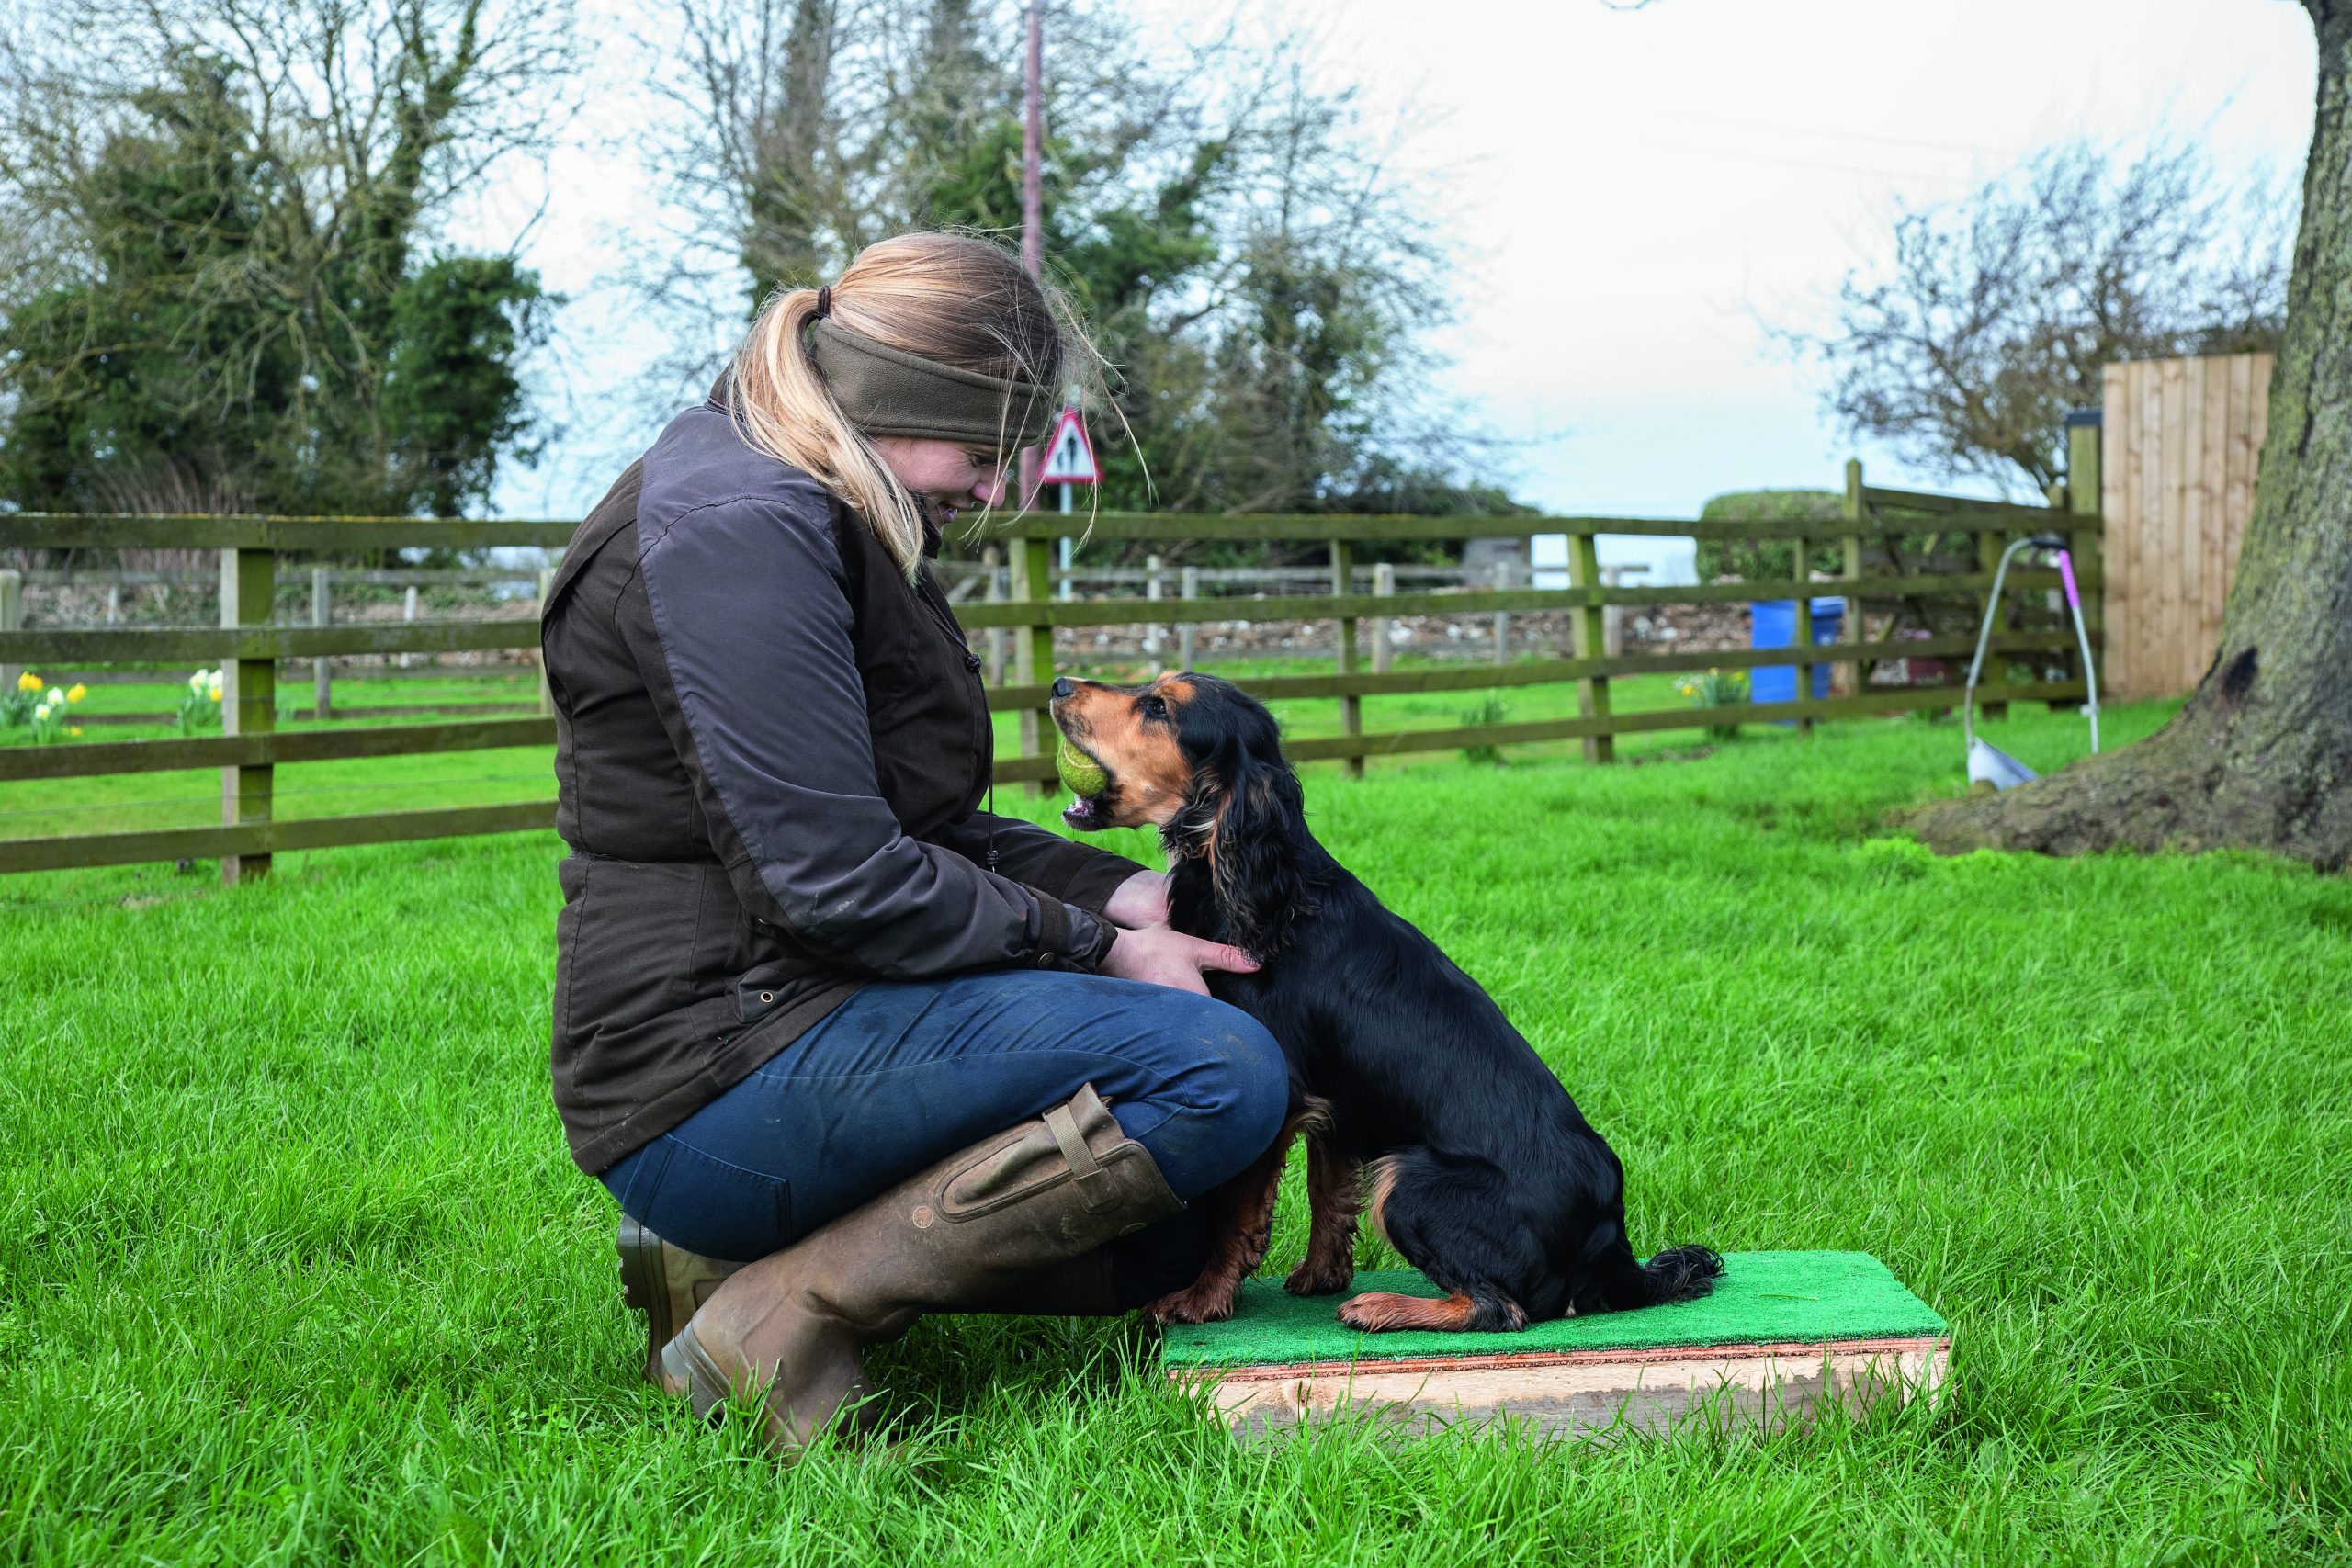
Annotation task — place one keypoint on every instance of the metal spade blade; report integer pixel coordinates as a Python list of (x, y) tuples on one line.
[(1987, 764)]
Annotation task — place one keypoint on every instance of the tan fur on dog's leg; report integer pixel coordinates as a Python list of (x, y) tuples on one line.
[(1245, 1226), (1334, 1191)]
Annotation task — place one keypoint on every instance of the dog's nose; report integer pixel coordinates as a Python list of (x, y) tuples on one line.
[(1062, 686)]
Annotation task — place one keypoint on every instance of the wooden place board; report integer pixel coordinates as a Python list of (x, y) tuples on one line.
[(1782, 1335)]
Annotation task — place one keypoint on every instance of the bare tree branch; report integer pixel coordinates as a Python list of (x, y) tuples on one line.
[(1997, 312)]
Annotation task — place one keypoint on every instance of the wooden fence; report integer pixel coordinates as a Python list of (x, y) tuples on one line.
[(249, 647), (2182, 439)]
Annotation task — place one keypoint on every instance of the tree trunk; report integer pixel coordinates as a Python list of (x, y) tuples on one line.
[(2261, 756)]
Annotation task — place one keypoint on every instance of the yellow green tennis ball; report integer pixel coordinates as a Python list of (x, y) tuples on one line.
[(1081, 775)]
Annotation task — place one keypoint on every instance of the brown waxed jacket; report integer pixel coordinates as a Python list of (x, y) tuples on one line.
[(770, 750)]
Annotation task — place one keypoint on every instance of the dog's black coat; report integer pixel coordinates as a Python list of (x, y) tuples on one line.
[(1493, 1183)]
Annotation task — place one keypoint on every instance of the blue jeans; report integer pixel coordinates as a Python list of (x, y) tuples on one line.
[(904, 1074)]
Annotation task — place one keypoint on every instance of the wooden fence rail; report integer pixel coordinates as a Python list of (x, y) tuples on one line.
[(249, 649)]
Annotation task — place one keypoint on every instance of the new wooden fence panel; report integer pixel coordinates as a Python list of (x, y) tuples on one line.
[(2182, 440)]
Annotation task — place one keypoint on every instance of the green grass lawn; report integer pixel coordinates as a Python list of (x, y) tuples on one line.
[(293, 1267)]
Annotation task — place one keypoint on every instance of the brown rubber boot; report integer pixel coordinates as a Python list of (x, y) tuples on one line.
[(666, 1283), (968, 1231), (1077, 1287)]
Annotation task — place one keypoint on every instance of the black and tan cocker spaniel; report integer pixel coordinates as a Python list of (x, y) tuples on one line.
[(1408, 1082)]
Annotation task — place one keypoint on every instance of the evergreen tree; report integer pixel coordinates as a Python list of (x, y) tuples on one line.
[(221, 304)]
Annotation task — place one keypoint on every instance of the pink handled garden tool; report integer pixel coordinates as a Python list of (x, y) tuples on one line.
[(1987, 764)]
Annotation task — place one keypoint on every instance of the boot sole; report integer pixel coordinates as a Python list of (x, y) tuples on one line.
[(689, 1366), (646, 1289)]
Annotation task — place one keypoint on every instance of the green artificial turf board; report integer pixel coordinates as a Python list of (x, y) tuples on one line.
[(1762, 1298)]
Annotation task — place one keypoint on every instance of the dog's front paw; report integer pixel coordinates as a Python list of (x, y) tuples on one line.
[(1321, 1276), (1193, 1303)]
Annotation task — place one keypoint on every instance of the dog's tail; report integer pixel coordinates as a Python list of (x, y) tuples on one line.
[(1681, 1274), (1677, 1274)]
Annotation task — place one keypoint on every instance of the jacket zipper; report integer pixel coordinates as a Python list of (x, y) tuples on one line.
[(945, 619)]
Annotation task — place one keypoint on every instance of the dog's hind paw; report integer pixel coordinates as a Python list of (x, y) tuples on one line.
[(1316, 1276), (1383, 1311), (1193, 1303)]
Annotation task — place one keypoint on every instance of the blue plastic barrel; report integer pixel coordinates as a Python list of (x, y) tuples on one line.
[(1775, 626)]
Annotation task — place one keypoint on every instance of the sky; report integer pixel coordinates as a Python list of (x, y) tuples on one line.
[(1631, 197)]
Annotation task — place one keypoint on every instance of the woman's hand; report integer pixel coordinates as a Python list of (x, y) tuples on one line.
[(1147, 948), (1163, 956), (1141, 900)]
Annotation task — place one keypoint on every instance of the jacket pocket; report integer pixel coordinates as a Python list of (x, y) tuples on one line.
[(723, 945), (638, 940)]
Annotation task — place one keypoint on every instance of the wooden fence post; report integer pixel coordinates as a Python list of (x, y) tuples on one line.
[(1343, 578), (547, 692), (249, 700), (408, 613), (992, 590), (1502, 617), (1592, 691), (114, 604), (1152, 640), (1033, 653), (12, 618), (2085, 498), (1188, 587), (1849, 629), (322, 676), (1384, 584)]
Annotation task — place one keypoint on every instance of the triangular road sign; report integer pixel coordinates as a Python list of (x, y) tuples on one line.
[(1069, 455)]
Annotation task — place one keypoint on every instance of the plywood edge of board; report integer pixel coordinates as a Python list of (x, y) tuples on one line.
[(1577, 1396)]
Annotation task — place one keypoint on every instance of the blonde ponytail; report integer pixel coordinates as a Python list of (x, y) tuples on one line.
[(782, 407), (947, 301)]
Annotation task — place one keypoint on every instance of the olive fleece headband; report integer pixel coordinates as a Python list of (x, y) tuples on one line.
[(886, 391)]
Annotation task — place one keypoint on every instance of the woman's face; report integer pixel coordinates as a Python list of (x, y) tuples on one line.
[(947, 475)]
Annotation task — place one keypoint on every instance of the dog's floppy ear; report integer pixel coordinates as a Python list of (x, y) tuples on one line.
[(1257, 845)]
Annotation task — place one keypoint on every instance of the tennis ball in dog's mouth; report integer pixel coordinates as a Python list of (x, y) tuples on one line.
[(1081, 775)]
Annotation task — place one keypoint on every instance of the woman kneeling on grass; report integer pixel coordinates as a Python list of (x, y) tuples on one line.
[(816, 1013)]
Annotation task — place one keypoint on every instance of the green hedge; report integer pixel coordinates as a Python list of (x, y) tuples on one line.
[(1754, 561), (1775, 559)]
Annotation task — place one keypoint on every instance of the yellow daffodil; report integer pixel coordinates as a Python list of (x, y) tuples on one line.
[(214, 693), (77, 692), (75, 732), (27, 682)]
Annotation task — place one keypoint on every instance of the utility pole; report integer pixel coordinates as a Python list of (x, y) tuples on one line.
[(1032, 196)]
